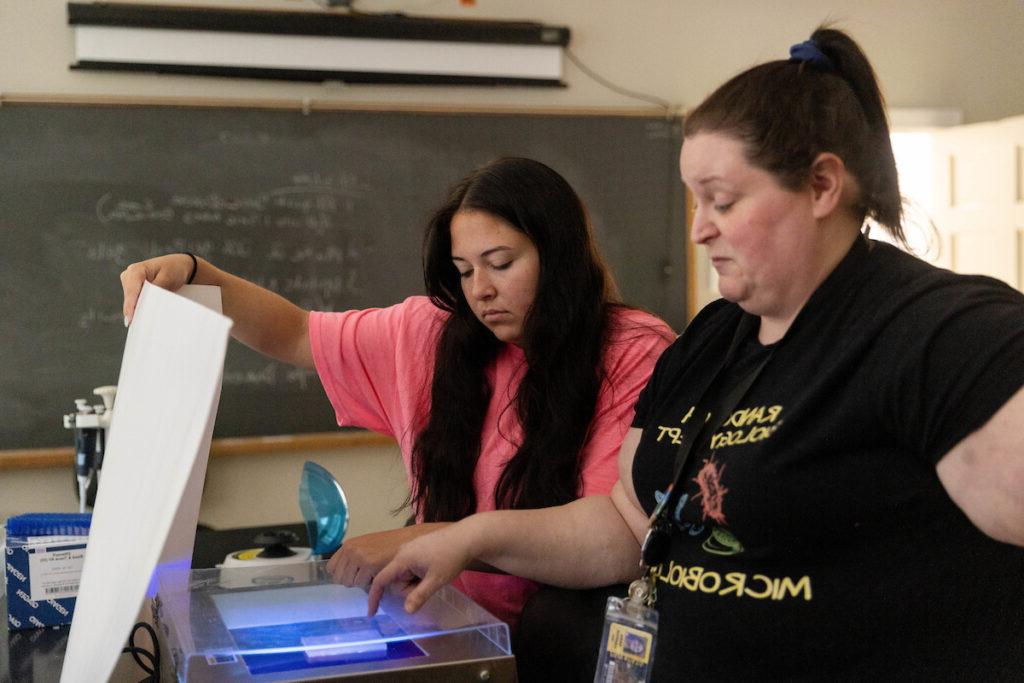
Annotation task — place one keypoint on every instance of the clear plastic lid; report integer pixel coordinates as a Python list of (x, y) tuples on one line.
[(293, 623), (324, 508)]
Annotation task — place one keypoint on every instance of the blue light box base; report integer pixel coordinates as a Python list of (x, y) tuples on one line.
[(357, 639), (293, 623)]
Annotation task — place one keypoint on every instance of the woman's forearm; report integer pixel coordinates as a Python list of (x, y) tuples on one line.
[(263, 320), (589, 542), (583, 544)]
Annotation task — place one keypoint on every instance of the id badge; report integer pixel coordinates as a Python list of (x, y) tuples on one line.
[(627, 644)]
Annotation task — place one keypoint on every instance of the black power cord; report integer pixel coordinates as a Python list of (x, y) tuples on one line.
[(147, 661)]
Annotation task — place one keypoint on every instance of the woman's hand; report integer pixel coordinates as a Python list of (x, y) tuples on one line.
[(555, 545), (421, 567), (170, 272), (360, 558)]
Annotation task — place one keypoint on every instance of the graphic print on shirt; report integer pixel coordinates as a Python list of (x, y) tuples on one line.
[(712, 491), (744, 426), (747, 425)]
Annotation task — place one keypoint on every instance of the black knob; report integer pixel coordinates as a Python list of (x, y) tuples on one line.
[(275, 543)]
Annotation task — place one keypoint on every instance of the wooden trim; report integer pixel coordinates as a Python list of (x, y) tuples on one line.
[(307, 105), (693, 284), (43, 458), (1019, 258), (36, 458), (247, 445)]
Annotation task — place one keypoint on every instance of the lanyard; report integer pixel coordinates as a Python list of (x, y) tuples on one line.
[(634, 621), (717, 409)]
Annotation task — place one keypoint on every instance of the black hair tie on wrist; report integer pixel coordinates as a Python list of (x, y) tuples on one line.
[(195, 266)]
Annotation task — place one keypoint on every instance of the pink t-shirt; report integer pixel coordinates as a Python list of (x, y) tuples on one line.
[(376, 366)]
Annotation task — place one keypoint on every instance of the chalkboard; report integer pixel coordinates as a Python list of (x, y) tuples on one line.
[(326, 208)]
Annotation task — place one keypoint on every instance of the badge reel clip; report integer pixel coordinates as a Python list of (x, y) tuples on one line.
[(325, 511), (630, 632)]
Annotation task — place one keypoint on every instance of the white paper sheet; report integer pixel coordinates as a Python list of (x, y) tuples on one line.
[(290, 605), (181, 538), (153, 471)]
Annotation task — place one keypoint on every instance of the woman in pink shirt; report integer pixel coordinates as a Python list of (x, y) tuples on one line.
[(509, 386)]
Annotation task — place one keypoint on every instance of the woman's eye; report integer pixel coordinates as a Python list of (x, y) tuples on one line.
[(465, 273), (502, 266), (723, 207)]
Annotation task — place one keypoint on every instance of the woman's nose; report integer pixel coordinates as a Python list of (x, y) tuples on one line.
[(701, 229), (482, 287)]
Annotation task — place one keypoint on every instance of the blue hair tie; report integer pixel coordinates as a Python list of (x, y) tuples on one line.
[(808, 51)]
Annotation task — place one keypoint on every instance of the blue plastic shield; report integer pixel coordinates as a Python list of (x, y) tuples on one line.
[(324, 508)]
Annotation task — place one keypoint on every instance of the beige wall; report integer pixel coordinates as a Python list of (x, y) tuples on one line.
[(928, 53), (264, 489), (246, 490)]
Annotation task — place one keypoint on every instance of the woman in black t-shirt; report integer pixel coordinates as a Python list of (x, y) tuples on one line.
[(856, 506)]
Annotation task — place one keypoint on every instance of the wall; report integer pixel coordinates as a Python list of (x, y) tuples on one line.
[(928, 53), (246, 490), (978, 190)]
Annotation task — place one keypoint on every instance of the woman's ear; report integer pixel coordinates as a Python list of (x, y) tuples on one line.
[(828, 181)]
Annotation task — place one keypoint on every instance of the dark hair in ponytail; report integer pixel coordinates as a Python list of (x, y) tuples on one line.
[(564, 337), (787, 112)]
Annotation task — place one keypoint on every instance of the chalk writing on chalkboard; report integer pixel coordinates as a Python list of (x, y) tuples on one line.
[(326, 209)]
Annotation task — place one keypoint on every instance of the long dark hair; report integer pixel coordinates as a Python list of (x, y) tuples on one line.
[(787, 112), (564, 337)]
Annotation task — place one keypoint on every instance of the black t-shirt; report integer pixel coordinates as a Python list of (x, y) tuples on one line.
[(815, 540)]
